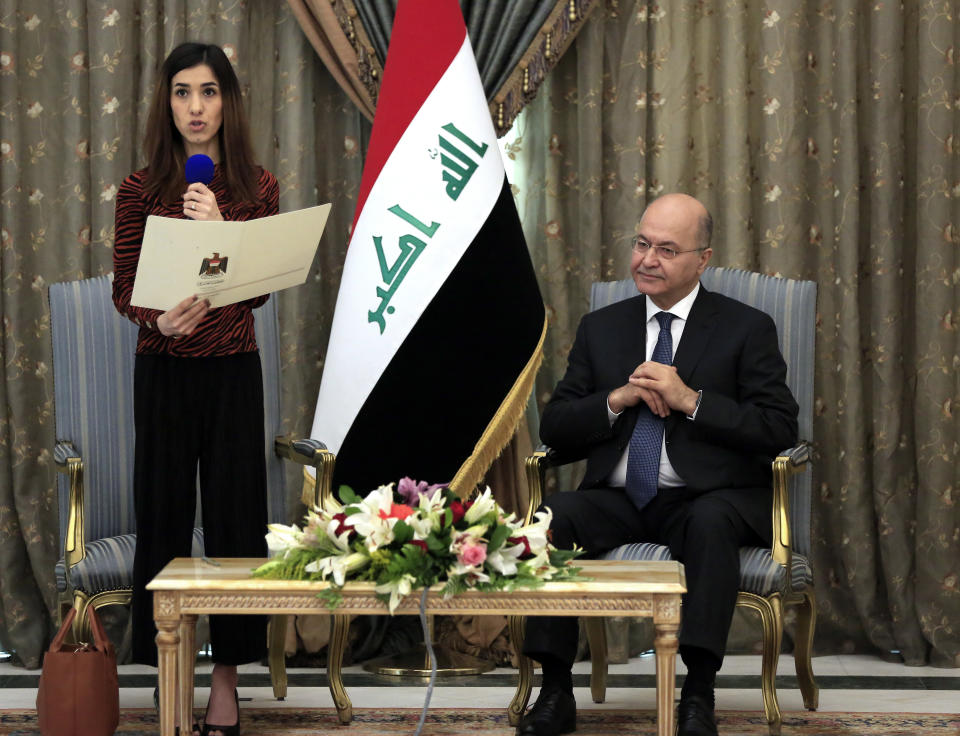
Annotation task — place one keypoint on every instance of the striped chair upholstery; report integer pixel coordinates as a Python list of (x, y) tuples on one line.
[(93, 356), (759, 574), (108, 564), (765, 584)]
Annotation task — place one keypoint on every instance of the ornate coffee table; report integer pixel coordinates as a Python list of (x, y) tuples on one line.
[(188, 587)]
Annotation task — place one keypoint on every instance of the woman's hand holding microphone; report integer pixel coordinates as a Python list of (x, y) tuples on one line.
[(199, 203)]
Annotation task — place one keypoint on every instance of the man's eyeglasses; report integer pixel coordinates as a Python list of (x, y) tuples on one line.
[(665, 252)]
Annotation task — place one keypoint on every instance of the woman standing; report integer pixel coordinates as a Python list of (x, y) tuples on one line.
[(198, 393)]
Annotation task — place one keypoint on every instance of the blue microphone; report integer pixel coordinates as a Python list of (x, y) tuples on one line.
[(199, 168)]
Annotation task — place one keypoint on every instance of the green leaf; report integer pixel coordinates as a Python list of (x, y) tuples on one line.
[(435, 544), (331, 596), (347, 495), (402, 532), (499, 536)]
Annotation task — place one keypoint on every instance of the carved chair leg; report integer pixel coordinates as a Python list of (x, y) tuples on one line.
[(335, 650), (597, 637), (806, 622), (770, 611), (525, 671), (276, 646)]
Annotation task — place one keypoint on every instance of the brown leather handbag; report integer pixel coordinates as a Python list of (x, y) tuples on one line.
[(79, 694)]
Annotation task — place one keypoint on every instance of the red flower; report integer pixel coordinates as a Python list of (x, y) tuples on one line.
[(526, 545), (419, 543), (341, 526), (397, 511), (458, 510)]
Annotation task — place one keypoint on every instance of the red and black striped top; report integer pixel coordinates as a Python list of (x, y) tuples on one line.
[(225, 330)]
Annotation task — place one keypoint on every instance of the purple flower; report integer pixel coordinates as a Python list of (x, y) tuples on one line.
[(411, 490)]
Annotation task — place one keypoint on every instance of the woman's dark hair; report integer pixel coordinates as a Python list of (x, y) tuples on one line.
[(164, 144)]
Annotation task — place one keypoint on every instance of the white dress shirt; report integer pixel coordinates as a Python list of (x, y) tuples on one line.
[(668, 477)]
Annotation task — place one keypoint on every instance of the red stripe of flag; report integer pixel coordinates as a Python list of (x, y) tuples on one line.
[(426, 36)]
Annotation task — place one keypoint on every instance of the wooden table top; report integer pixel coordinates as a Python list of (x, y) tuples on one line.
[(233, 575)]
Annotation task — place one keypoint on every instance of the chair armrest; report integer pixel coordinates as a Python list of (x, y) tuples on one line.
[(544, 457), (302, 451), (798, 455), (787, 463), (63, 452), (312, 453), (68, 461)]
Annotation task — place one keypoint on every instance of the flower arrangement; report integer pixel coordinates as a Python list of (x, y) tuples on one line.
[(417, 535)]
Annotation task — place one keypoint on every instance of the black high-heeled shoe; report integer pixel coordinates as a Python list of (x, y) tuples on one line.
[(234, 730)]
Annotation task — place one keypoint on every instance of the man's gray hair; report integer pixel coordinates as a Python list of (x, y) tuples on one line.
[(705, 230)]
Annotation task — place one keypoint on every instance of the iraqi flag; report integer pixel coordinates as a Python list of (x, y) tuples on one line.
[(439, 324)]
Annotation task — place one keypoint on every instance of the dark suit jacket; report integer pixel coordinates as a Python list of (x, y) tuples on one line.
[(747, 414)]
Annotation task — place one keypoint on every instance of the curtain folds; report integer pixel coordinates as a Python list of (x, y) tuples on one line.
[(516, 43), (332, 42), (824, 139)]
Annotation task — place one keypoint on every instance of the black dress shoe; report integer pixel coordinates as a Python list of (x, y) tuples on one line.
[(695, 716), (554, 713)]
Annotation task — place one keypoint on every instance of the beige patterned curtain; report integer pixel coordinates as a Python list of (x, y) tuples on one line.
[(75, 78), (825, 138)]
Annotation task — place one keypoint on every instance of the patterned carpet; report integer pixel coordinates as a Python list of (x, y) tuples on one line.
[(487, 722)]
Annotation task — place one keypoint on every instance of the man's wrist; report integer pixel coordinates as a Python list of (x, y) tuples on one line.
[(697, 396), (614, 406)]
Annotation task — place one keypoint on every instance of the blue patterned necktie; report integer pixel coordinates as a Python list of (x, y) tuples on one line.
[(643, 458)]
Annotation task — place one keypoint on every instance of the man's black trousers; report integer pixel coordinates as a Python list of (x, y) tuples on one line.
[(704, 532)]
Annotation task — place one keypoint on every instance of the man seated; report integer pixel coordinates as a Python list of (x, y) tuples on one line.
[(678, 401)]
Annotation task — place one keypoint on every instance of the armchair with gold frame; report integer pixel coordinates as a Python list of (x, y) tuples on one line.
[(93, 358), (770, 578), (317, 492)]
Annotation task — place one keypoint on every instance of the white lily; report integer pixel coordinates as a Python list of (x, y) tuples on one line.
[(539, 565), (397, 590), (340, 542), (473, 573), (283, 538), (504, 560), (373, 521), (536, 533), (421, 524), (477, 531), (338, 566), (432, 502), (482, 506)]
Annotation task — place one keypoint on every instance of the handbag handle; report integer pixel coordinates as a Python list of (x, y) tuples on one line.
[(57, 644), (100, 639)]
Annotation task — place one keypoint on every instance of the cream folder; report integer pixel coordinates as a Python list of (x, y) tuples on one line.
[(225, 262)]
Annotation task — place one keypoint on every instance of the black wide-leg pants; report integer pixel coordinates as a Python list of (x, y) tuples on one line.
[(704, 532), (198, 415)]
